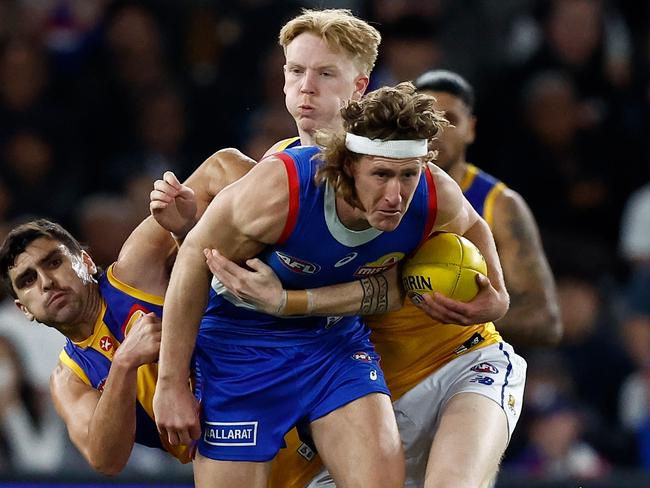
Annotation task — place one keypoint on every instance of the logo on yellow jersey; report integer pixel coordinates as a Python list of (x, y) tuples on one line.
[(382, 264)]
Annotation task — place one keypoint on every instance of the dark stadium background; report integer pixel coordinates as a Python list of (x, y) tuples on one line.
[(99, 97)]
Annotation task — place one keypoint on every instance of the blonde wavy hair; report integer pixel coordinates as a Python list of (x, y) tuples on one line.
[(390, 113), (341, 30)]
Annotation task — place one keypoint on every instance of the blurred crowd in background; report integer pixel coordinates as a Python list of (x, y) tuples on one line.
[(99, 97)]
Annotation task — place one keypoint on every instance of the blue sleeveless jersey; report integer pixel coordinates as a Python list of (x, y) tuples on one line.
[(316, 250), (91, 359)]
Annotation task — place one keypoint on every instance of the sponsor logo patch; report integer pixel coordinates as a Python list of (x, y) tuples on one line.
[(297, 265), (373, 375), (475, 340), (362, 356), (230, 433), (106, 343), (485, 368), (484, 380), (382, 264), (305, 451)]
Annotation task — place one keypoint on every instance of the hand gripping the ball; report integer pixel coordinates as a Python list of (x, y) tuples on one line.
[(447, 279)]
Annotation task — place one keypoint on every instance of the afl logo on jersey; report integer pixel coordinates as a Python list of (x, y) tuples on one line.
[(382, 264), (362, 356), (297, 265), (485, 368)]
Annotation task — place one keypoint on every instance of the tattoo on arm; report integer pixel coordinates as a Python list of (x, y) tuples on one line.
[(375, 295)]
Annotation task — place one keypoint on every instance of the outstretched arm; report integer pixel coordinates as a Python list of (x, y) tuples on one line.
[(240, 221), (533, 318), (102, 425)]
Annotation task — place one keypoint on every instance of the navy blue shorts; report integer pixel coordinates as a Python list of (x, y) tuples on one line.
[(251, 396)]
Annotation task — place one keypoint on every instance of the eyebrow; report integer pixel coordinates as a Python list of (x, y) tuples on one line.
[(293, 64), (30, 269)]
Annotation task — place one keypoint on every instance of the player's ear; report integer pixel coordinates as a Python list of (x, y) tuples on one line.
[(24, 310), (360, 86), (89, 263), (471, 131)]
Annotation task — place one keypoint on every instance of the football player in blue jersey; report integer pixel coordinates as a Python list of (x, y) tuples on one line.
[(104, 382), (314, 224), (438, 452)]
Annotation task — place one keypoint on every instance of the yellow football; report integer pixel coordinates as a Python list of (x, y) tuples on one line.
[(447, 263)]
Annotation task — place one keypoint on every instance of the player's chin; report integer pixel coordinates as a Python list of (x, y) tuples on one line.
[(386, 223)]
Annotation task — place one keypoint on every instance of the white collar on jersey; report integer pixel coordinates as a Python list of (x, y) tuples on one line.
[(345, 236)]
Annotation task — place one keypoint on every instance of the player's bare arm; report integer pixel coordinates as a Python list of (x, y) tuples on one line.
[(533, 317), (381, 293), (102, 424), (145, 257), (455, 214), (240, 221), (259, 286)]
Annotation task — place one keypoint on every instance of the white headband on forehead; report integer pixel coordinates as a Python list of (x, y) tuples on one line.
[(399, 149)]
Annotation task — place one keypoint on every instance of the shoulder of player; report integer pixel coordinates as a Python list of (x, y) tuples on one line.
[(445, 185), (258, 203), (269, 174), (512, 215), (230, 161)]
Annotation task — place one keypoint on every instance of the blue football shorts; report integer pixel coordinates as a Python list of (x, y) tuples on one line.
[(251, 396)]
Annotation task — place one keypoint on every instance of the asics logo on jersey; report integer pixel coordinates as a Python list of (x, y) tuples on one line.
[(346, 259), (297, 265)]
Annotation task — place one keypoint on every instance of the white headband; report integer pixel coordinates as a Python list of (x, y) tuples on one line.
[(398, 149)]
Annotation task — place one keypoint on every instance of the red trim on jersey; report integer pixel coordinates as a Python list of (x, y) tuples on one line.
[(294, 195), (432, 209), (134, 308)]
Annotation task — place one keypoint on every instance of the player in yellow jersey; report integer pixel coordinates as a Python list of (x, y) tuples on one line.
[(441, 374), (104, 383), (533, 318)]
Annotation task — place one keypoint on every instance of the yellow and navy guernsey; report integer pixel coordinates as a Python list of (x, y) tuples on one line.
[(91, 359), (410, 345)]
